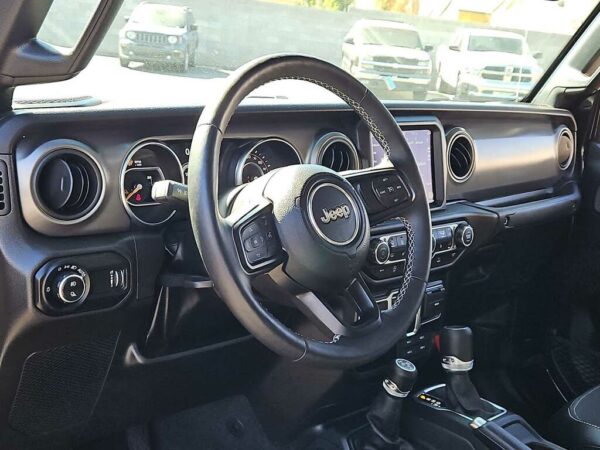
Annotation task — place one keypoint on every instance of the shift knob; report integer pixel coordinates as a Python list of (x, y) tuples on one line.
[(456, 347), (402, 378), (385, 413)]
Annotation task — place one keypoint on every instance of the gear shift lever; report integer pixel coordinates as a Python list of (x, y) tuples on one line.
[(456, 347), (384, 415)]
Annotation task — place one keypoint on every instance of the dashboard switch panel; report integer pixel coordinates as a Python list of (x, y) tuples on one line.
[(387, 257), (433, 302), (82, 283)]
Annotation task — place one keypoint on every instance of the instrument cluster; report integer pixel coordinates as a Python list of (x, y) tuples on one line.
[(154, 161)]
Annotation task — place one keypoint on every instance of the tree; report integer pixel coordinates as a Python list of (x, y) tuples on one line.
[(403, 6), (335, 5), (338, 5)]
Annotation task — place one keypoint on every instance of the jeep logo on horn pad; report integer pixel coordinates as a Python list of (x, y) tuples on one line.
[(341, 212), (333, 213)]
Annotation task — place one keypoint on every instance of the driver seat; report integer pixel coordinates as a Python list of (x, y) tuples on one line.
[(577, 425)]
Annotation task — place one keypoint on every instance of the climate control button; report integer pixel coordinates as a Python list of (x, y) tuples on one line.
[(380, 251)]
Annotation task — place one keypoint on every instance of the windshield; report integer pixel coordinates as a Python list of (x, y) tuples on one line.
[(391, 36), (495, 44), (180, 52), (166, 16)]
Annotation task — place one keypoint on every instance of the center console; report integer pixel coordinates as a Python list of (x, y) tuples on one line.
[(453, 415), (450, 415), (386, 270)]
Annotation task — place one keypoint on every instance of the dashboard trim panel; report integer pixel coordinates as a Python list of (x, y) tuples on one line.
[(23, 131)]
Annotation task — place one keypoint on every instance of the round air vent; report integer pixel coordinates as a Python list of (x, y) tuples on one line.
[(461, 155), (335, 151), (565, 147), (68, 184)]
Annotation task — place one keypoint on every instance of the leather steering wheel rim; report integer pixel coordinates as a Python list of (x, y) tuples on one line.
[(214, 235)]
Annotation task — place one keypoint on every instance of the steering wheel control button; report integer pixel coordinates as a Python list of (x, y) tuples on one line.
[(389, 190), (333, 214), (259, 240)]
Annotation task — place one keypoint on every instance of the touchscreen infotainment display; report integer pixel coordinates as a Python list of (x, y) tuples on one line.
[(419, 142)]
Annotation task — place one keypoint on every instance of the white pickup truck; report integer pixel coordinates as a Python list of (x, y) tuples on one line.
[(388, 56), (481, 64)]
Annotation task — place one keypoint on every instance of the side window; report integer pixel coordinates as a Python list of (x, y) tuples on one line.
[(79, 14)]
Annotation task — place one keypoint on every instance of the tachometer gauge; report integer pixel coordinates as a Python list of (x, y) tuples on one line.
[(263, 157), (146, 164), (255, 167)]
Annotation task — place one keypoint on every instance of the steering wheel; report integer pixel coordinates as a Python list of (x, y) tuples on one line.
[(300, 235)]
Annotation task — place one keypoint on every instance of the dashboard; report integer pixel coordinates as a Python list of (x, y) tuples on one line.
[(86, 252), (166, 159), (110, 161), (90, 236)]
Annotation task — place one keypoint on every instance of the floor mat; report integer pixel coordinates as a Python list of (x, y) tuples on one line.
[(576, 369), (227, 424)]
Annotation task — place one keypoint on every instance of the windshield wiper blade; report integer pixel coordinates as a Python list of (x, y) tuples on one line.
[(57, 102), (269, 97)]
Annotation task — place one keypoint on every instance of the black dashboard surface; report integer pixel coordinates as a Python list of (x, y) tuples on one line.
[(514, 150)]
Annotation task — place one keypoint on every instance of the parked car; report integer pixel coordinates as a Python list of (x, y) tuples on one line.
[(166, 34), (486, 64), (387, 55)]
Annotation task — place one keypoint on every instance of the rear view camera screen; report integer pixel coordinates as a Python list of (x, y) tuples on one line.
[(419, 142)]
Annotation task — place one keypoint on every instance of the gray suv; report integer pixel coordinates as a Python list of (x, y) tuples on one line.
[(157, 33)]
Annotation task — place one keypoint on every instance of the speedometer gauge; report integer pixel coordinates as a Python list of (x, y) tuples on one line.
[(256, 166), (146, 164), (263, 157)]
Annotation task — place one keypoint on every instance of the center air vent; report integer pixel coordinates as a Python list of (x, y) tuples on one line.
[(461, 155), (68, 184), (565, 147), (335, 151)]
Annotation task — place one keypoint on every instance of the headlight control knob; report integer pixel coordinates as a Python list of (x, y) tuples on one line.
[(70, 285)]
